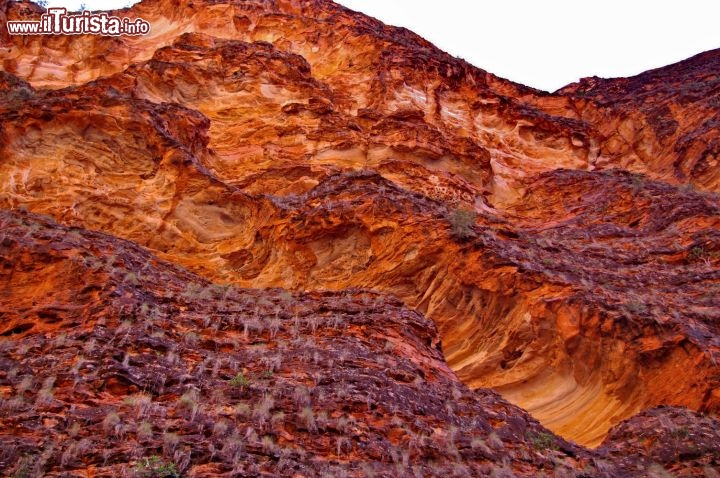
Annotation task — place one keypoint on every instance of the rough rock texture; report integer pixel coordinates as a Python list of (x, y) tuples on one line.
[(666, 439), (143, 357), (664, 121), (253, 163)]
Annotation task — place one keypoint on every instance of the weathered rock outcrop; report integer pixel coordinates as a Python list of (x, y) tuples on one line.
[(663, 122), (110, 355), (564, 245)]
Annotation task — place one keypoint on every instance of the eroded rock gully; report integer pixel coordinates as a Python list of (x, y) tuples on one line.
[(192, 191)]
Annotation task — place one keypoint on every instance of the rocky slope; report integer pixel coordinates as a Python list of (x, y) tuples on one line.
[(250, 169), (663, 121), (134, 356)]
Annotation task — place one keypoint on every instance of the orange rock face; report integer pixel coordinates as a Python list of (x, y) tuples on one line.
[(265, 199)]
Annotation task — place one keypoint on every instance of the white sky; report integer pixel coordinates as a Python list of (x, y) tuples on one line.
[(546, 44)]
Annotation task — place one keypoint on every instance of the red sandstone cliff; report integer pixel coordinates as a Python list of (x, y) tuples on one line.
[(298, 195)]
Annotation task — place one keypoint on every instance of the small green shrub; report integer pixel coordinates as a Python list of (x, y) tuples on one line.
[(461, 224), (543, 441), (156, 467), (697, 254), (239, 380)]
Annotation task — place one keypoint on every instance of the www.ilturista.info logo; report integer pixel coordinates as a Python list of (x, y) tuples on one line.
[(57, 22)]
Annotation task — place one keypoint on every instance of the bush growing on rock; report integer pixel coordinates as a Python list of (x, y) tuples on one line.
[(461, 224)]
